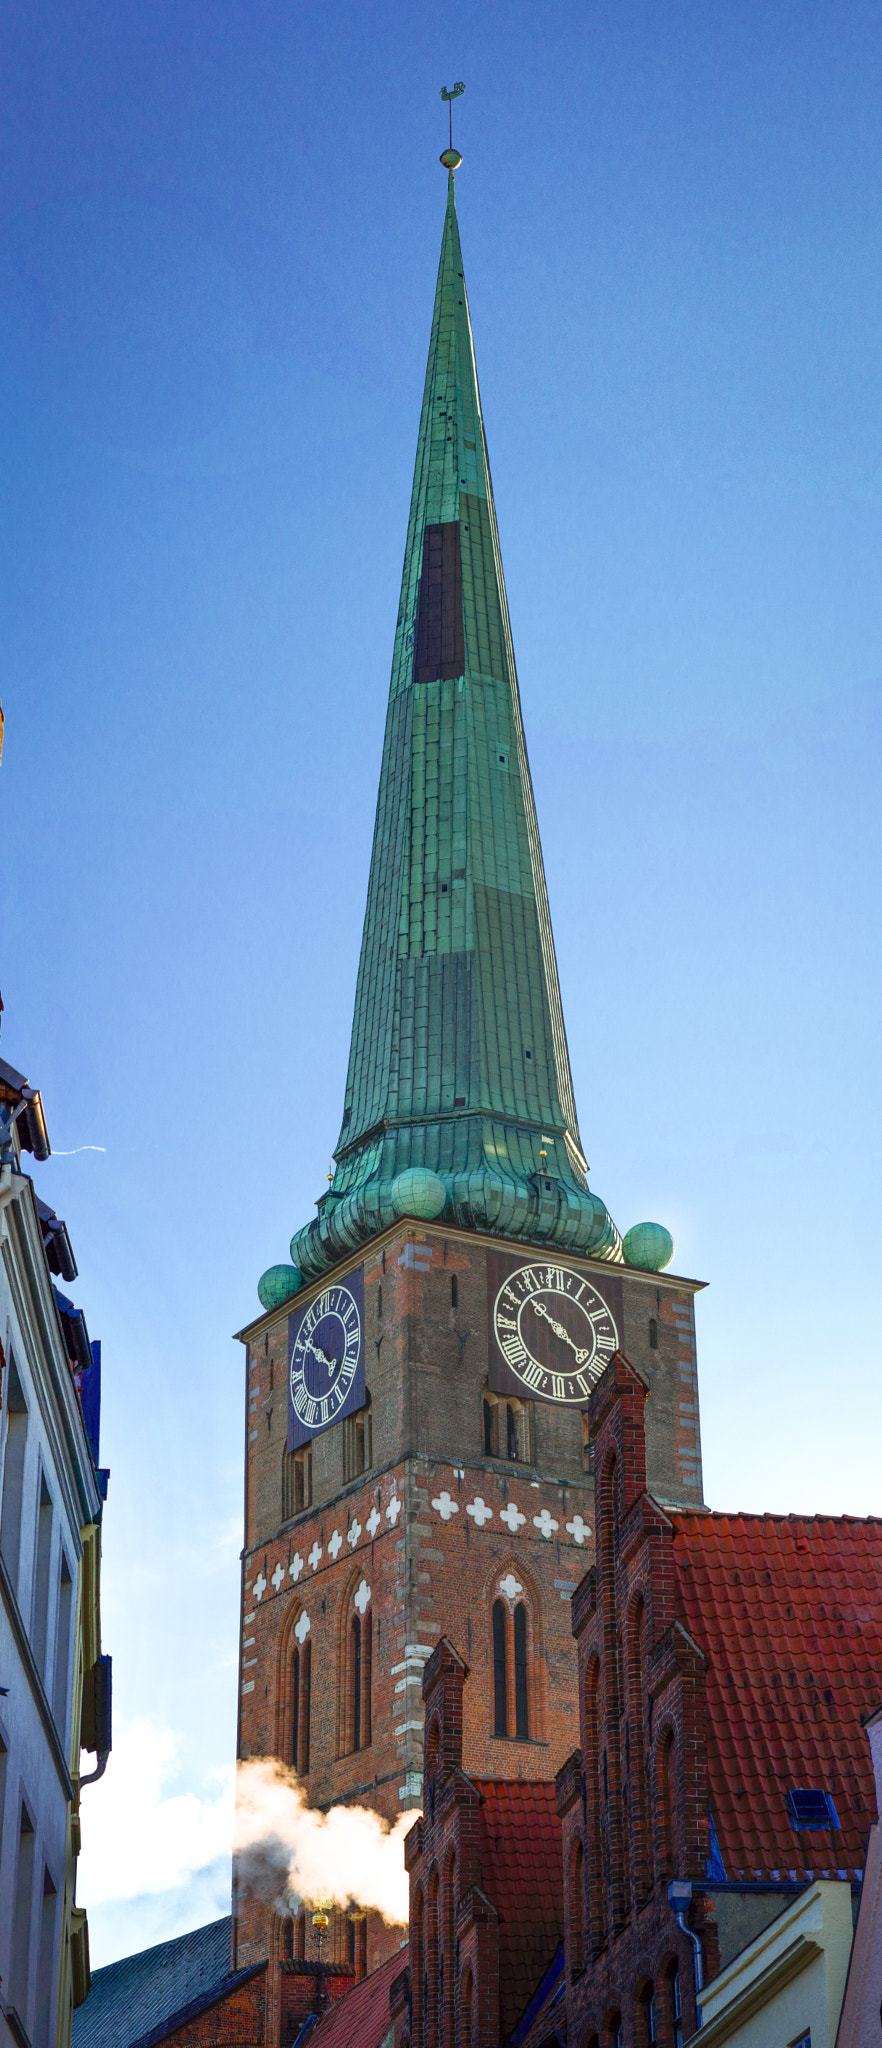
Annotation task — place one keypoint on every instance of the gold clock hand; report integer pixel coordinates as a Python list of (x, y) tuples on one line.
[(559, 1331)]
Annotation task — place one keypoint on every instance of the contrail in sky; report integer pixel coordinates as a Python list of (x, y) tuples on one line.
[(77, 1148)]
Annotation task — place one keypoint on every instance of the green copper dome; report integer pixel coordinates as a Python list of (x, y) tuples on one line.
[(418, 1192), (278, 1284), (458, 1069), (649, 1245)]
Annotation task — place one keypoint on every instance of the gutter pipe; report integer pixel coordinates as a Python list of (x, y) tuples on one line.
[(679, 1897)]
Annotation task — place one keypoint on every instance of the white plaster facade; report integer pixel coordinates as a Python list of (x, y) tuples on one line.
[(785, 1988), (50, 1509)]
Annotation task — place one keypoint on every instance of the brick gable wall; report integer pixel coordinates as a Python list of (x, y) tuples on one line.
[(633, 1800), (238, 2020)]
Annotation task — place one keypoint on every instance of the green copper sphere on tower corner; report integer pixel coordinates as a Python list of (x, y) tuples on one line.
[(459, 1098), (648, 1245), (278, 1284)]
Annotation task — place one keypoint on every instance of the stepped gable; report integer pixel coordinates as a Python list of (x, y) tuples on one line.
[(788, 1611), (459, 1097)]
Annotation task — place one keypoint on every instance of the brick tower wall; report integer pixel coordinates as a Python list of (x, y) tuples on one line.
[(433, 1532)]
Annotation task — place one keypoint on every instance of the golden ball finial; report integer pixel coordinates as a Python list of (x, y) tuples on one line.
[(451, 159)]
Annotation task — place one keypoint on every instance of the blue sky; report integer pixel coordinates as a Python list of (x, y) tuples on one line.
[(219, 228)]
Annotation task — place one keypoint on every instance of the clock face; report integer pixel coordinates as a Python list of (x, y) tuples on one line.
[(554, 1331), (325, 1356)]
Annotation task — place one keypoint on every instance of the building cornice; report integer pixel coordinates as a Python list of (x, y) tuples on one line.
[(436, 1233)]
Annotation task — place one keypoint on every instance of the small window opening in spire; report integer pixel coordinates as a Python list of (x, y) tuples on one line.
[(653, 1333), (454, 1291)]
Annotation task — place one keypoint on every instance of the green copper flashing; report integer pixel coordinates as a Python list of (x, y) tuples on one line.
[(459, 1062)]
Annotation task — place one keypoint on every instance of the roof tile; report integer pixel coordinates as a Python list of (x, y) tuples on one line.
[(789, 1613)]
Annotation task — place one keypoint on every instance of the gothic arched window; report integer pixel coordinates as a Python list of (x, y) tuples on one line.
[(356, 1662), (358, 1441), (298, 1705), (296, 1481), (512, 1659), (508, 1429), (522, 1710), (500, 1668)]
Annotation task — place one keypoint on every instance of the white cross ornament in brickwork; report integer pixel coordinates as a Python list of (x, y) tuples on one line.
[(510, 1586), (259, 1587), (335, 1545), (353, 1534), (296, 1566), (512, 1516), (578, 1529), (301, 1629), (315, 1555), (394, 1509), (445, 1506), (480, 1510), (362, 1597), (373, 1522), (544, 1524), (279, 1576)]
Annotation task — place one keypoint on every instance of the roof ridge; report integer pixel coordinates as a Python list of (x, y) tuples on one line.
[(174, 1941), (707, 1516), (199, 2003)]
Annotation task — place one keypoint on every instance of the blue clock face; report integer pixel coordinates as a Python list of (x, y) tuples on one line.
[(325, 1356)]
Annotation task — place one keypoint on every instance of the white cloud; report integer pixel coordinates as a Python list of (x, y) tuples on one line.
[(139, 1838), (123, 1927)]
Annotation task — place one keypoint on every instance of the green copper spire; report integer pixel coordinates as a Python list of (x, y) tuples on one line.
[(459, 1098)]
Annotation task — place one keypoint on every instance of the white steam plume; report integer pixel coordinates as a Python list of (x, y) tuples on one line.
[(348, 1855)]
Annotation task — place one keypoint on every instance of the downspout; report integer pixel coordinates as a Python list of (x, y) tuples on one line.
[(93, 1776), (679, 1897)]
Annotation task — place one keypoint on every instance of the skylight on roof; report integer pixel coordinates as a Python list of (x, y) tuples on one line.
[(810, 1808)]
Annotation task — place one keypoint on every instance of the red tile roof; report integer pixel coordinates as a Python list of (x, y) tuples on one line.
[(788, 1611), (522, 1878), (361, 2019)]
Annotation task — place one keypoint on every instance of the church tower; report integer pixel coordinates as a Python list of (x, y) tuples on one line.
[(419, 1377)]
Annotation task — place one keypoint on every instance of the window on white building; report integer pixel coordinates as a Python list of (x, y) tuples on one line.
[(13, 1474), (61, 1686), (42, 1578), (21, 1919)]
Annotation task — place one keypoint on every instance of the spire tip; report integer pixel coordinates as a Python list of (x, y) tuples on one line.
[(451, 159)]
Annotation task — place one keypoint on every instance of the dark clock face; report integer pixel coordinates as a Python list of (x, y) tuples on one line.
[(325, 1356), (554, 1331)]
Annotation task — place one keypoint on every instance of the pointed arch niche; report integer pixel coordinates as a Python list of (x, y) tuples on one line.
[(294, 1691), (516, 1649), (355, 1647)]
